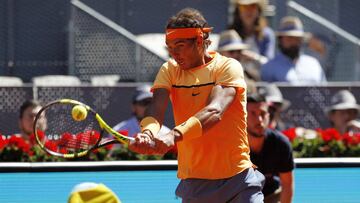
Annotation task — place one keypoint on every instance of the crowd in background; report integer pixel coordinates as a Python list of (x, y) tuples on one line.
[(266, 56), (251, 41)]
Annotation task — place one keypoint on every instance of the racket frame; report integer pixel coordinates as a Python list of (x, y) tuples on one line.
[(119, 138)]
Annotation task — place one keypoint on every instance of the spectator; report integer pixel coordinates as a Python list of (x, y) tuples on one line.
[(89, 192), (208, 96), (231, 45), (277, 105), (290, 64), (248, 21), (319, 46), (28, 111), (343, 112), (270, 151), (141, 99)]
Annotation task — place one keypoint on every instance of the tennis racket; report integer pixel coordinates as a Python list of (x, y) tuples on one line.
[(67, 137)]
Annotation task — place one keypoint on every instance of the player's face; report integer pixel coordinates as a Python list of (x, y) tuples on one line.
[(185, 52), (248, 13), (28, 118), (257, 119)]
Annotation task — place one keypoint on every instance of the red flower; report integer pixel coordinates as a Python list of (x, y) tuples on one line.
[(109, 147), (348, 139), (94, 136), (325, 136), (65, 139), (290, 133), (51, 145), (19, 142), (3, 141), (85, 140), (334, 133), (124, 132), (41, 136), (63, 150), (351, 139), (357, 138), (329, 134)]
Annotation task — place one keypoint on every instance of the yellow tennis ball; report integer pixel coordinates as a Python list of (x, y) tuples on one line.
[(79, 113)]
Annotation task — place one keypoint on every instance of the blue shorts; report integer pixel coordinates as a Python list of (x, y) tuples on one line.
[(244, 187)]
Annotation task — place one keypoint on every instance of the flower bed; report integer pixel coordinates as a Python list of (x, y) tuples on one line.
[(323, 143), (16, 149)]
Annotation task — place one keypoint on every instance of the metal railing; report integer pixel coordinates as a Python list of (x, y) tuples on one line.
[(113, 103), (98, 46)]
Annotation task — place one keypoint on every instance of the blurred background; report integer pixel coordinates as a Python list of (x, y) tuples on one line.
[(99, 51), (103, 49)]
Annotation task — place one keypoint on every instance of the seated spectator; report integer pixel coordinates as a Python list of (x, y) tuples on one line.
[(250, 24), (290, 64), (343, 112), (141, 99), (231, 45), (277, 105), (270, 151), (28, 111), (89, 192), (322, 47)]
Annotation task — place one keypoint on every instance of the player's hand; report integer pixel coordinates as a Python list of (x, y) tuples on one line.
[(143, 144), (165, 142)]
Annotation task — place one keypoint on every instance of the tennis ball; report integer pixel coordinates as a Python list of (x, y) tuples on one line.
[(79, 113)]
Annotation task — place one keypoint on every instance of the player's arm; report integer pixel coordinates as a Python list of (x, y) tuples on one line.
[(158, 105), (152, 143), (145, 140), (219, 100), (287, 185)]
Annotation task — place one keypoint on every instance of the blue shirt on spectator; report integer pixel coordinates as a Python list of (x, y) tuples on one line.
[(267, 45), (305, 70), (264, 46)]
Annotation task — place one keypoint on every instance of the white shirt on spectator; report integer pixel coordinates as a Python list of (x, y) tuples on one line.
[(305, 70)]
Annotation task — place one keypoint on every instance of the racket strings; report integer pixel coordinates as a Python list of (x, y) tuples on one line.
[(64, 135)]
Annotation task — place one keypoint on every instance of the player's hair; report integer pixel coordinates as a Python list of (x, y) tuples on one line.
[(27, 104), (255, 98), (189, 18)]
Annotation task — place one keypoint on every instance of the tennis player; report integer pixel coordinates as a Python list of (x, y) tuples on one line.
[(208, 96)]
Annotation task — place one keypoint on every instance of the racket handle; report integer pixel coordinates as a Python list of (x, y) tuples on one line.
[(132, 141)]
